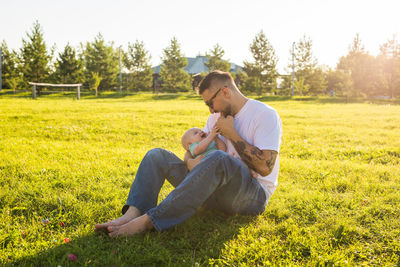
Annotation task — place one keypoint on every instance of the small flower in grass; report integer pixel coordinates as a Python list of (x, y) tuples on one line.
[(66, 240), (72, 257), (62, 224), (23, 234), (46, 221)]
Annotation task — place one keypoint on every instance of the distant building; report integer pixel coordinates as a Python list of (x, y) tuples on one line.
[(195, 66)]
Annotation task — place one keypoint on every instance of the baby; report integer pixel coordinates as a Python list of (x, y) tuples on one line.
[(199, 143)]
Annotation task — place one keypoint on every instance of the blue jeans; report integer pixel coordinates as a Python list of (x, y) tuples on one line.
[(218, 182)]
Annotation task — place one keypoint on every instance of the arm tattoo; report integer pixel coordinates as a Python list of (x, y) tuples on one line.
[(241, 149), (254, 157), (255, 151), (271, 161)]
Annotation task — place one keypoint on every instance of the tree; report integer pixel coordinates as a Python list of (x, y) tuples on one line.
[(301, 86), (317, 81), (102, 59), (34, 56), (240, 78), (94, 82), (285, 85), (360, 65), (262, 72), (307, 74), (339, 82), (69, 68), (215, 61), (389, 68), (174, 77), (137, 61), (10, 75)]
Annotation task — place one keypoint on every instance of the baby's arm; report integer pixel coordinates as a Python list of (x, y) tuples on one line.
[(220, 144), (190, 161), (202, 146)]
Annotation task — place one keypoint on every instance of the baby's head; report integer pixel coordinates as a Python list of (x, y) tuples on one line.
[(192, 136)]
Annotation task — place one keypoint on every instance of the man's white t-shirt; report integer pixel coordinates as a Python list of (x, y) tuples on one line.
[(260, 126)]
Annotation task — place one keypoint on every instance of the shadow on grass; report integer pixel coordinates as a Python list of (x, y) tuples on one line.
[(18, 94), (176, 96), (43, 94), (327, 100), (105, 95), (200, 238), (344, 100), (166, 96), (271, 98), (305, 99), (149, 96), (145, 96), (90, 95)]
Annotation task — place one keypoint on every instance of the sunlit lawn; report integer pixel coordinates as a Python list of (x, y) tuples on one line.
[(72, 163)]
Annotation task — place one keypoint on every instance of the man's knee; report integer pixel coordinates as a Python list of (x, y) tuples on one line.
[(159, 155), (154, 151), (221, 156), (155, 154), (218, 154)]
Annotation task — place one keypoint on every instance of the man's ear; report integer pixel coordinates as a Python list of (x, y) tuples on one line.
[(226, 91)]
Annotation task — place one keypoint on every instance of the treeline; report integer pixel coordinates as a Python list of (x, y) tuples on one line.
[(96, 65), (358, 74)]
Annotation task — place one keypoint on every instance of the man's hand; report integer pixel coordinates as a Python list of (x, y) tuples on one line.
[(191, 163), (226, 126)]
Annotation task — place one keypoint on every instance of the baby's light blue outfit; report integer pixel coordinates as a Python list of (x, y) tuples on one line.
[(211, 147)]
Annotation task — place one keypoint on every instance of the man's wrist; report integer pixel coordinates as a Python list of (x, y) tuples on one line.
[(234, 136)]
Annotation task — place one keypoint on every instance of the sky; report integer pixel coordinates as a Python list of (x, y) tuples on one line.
[(199, 25)]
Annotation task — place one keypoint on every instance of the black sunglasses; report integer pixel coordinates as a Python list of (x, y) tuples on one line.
[(210, 102)]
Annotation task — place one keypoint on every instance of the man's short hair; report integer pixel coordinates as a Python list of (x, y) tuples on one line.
[(215, 75)]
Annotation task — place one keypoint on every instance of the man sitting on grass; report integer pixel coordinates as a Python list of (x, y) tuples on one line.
[(222, 180)]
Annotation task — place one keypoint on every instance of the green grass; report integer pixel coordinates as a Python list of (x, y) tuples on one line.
[(337, 202)]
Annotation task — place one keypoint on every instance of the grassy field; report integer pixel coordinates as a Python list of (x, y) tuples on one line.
[(66, 165)]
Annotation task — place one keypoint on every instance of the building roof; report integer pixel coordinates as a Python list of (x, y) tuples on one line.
[(197, 65)]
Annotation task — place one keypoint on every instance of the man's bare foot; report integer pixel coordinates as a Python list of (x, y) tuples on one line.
[(129, 215), (135, 226)]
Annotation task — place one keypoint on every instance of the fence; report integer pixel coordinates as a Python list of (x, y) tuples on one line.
[(77, 85)]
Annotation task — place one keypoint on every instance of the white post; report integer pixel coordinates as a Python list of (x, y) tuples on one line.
[(34, 91), (120, 79), (78, 93), (0, 72), (293, 69)]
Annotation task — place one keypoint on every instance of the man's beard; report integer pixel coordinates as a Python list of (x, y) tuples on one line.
[(227, 111)]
